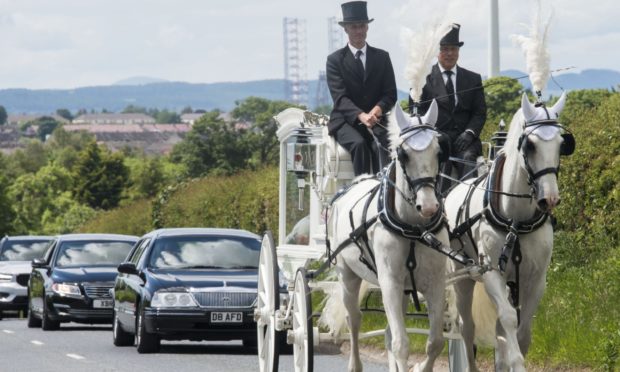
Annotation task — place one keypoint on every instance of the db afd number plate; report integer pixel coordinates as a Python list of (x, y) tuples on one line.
[(226, 317), (103, 304)]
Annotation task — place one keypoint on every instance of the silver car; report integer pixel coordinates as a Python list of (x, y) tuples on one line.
[(16, 254)]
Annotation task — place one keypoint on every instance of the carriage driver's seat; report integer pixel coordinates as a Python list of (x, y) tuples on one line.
[(337, 165)]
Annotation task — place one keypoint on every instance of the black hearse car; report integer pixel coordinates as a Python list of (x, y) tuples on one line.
[(187, 284), (72, 281)]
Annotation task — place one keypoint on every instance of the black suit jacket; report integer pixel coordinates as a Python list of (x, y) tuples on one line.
[(353, 93), (471, 109)]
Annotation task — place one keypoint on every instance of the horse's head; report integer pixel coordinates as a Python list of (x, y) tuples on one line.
[(419, 149), (541, 142)]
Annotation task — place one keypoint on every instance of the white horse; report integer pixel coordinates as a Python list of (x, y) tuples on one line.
[(514, 225), (410, 200)]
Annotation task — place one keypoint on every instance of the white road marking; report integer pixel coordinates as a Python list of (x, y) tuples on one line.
[(38, 343), (75, 356), (8, 331)]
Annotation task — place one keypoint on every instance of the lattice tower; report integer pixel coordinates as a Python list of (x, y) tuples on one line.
[(295, 61)]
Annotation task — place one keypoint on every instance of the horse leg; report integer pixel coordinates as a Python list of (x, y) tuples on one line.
[(529, 304), (464, 297), (388, 339), (390, 273), (350, 297), (501, 348), (435, 302), (507, 315)]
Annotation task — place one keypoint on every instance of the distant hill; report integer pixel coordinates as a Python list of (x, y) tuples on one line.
[(152, 93), (139, 80)]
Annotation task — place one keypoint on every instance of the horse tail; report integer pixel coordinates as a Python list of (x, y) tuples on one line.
[(484, 313), (333, 316)]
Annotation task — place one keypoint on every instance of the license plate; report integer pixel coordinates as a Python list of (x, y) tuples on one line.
[(103, 304), (222, 317)]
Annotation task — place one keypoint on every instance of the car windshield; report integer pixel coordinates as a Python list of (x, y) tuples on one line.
[(23, 250), (92, 253), (216, 252)]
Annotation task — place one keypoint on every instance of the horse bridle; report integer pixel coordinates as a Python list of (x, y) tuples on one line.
[(416, 184), (567, 148)]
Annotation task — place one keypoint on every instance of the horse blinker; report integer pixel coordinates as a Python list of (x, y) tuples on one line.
[(568, 146)]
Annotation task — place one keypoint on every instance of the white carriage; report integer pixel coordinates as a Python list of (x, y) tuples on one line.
[(312, 168)]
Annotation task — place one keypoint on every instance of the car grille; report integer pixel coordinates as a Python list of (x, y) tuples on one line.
[(93, 313), (224, 299), (98, 290), (22, 279)]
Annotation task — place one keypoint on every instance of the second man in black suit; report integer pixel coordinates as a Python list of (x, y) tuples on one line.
[(460, 97), (362, 85)]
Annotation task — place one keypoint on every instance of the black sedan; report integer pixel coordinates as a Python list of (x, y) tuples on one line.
[(72, 281), (187, 284)]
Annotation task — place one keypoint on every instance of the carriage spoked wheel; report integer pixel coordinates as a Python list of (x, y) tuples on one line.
[(268, 302), (302, 333)]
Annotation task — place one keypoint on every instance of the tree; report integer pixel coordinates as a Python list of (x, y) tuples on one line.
[(131, 109), (33, 195), (3, 115), (45, 126), (261, 139), (211, 146), (6, 211), (167, 117), (100, 177), (64, 113), (503, 99), (187, 110), (147, 177)]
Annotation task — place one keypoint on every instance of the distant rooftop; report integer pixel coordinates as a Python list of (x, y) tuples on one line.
[(112, 118)]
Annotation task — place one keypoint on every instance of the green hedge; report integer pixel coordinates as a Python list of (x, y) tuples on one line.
[(132, 219)]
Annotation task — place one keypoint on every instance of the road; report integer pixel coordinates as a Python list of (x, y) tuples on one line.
[(80, 348)]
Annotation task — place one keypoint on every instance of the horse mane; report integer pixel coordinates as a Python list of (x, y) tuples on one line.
[(534, 47), (514, 133), (393, 132)]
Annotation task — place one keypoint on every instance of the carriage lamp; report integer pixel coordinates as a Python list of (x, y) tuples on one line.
[(498, 139), (301, 160)]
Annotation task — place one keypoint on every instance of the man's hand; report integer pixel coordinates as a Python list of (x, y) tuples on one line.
[(463, 141), (377, 112), (368, 120)]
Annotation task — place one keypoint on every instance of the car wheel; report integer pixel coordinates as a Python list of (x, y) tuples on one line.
[(48, 324), (33, 321), (145, 342), (121, 338)]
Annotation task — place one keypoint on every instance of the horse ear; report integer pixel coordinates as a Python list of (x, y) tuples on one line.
[(401, 118), (529, 111), (559, 106), (431, 115)]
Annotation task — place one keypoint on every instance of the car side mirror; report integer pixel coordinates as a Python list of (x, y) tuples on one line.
[(128, 268), (39, 263)]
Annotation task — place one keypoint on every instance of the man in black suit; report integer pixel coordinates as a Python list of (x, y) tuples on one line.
[(460, 97), (362, 85)]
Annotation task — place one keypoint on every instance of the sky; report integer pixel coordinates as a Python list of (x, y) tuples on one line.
[(65, 44)]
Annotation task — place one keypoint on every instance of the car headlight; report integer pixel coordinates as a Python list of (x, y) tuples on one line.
[(6, 277), (66, 289), (173, 299)]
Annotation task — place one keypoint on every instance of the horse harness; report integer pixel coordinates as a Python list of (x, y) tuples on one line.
[(511, 248)]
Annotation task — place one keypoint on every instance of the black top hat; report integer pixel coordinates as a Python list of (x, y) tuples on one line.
[(354, 12), (452, 37)]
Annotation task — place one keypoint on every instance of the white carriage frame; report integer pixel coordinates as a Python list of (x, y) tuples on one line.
[(293, 259)]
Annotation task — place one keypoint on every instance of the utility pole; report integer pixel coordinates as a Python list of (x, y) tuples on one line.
[(493, 39), (295, 61)]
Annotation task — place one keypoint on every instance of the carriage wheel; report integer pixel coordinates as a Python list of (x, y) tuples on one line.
[(457, 356), (303, 347), (268, 302)]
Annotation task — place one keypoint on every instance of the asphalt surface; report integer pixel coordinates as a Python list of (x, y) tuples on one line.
[(77, 347)]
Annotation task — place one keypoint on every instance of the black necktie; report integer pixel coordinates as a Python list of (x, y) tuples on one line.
[(450, 88), (358, 62)]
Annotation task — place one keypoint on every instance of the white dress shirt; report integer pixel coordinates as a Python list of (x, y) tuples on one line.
[(363, 56)]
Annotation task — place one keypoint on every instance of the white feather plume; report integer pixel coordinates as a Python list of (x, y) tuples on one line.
[(534, 47), (423, 47)]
